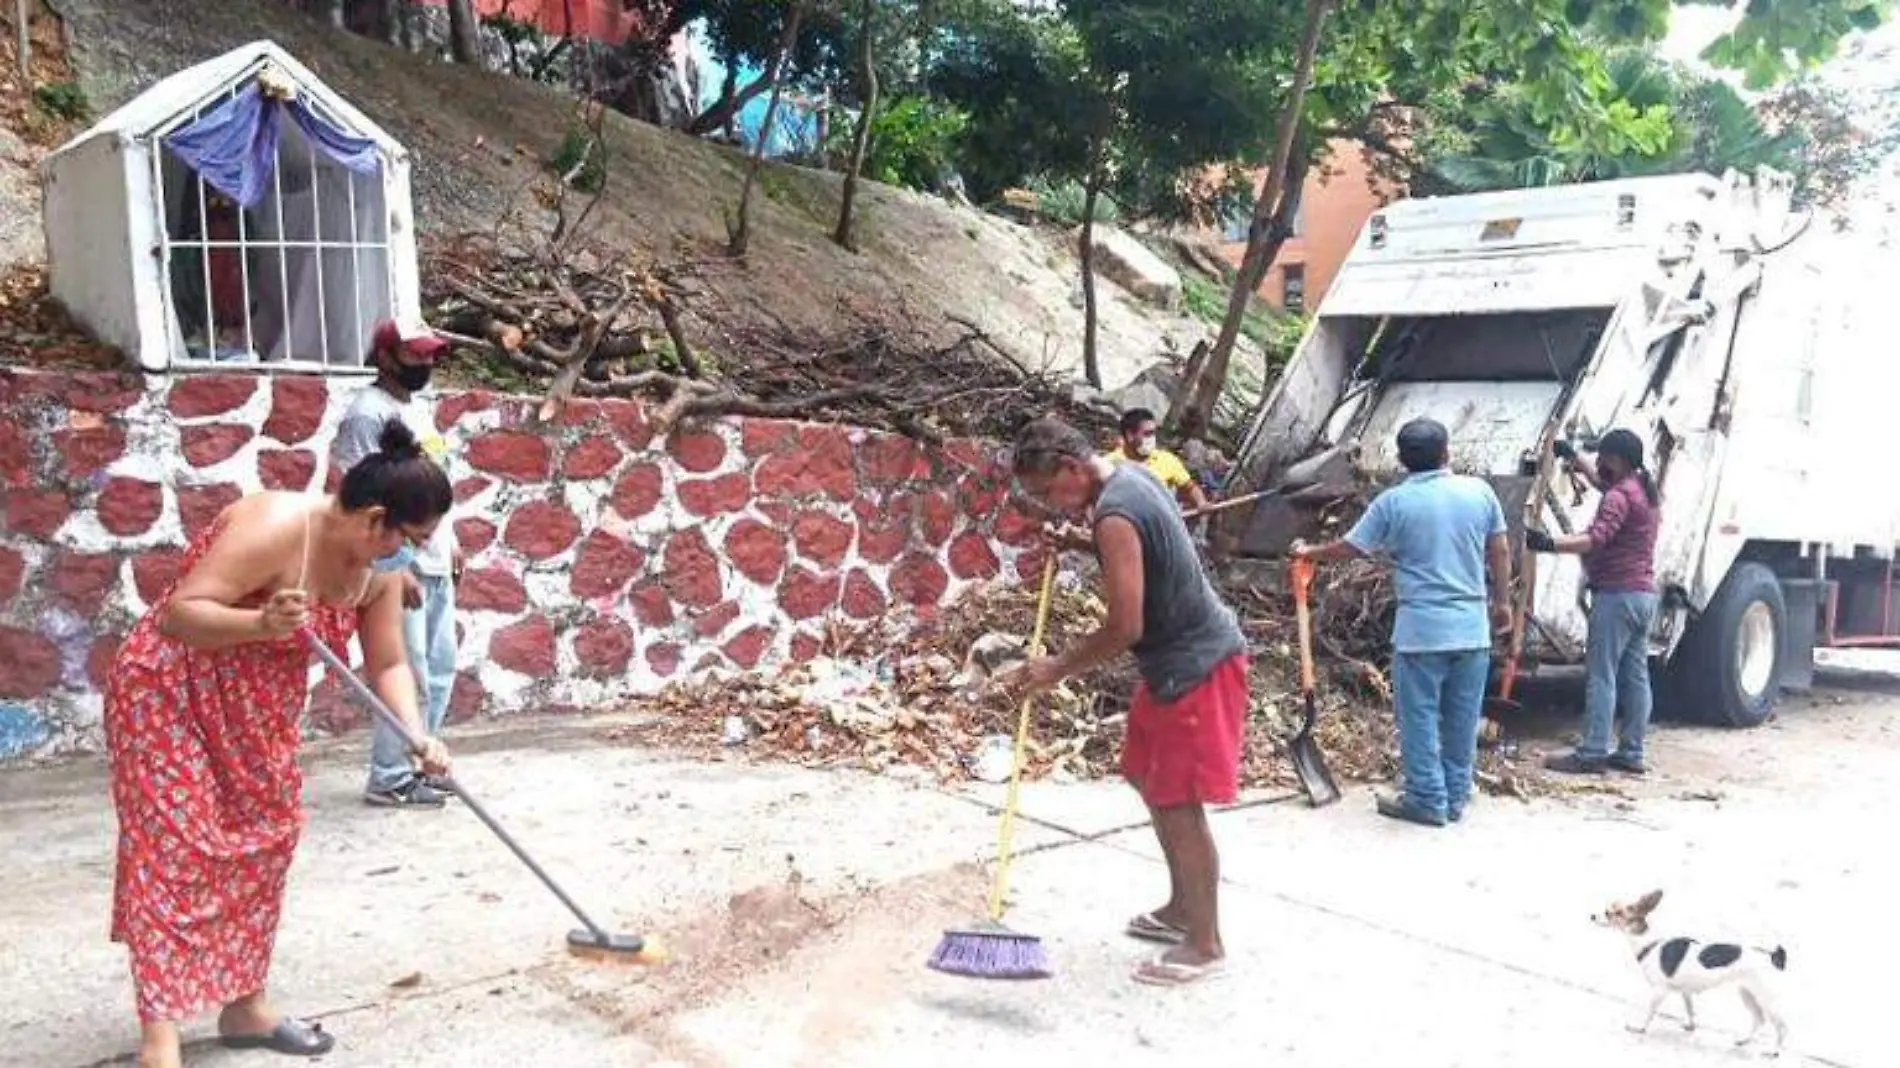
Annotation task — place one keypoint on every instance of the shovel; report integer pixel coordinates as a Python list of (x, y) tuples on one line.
[(1308, 762), (1505, 703)]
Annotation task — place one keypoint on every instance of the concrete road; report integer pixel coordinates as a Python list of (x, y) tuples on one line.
[(800, 907)]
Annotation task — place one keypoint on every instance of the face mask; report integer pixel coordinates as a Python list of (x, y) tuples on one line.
[(1145, 445), (412, 377)]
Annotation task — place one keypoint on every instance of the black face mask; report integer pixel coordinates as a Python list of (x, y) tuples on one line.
[(411, 377)]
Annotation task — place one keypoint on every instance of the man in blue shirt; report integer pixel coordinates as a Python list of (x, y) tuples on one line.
[(1440, 531)]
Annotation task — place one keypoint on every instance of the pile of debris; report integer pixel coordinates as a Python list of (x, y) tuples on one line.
[(913, 691), (35, 330)]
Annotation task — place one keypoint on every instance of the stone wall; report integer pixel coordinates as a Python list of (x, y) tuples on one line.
[(602, 560)]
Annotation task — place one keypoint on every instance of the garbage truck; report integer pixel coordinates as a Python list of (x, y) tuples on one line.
[(1740, 338)]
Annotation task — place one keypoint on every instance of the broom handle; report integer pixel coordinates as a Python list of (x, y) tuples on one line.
[(1004, 836)]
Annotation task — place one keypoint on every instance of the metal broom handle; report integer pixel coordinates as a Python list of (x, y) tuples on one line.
[(395, 723), (1022, 743)]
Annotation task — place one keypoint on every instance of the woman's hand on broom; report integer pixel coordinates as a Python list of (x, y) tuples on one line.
[(433, 757), (284, 613)]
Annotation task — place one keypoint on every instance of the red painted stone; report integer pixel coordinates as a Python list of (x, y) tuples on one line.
[(936, 518), (629, 420), (777, 512), (99, 658), (716, 496), (200, 506), (207, 445), (12, 567), (467, 698), (651, 606), (89, 450), (638, 491), (862, 598), (698, 451), (821, 464), (888, 458), (83, 580), (592, 458), (474, 535), (806, 647), (964, 453), (1017, 527), (470, 488), (286, 469), (40, 513), (806, 594), (883, 539), (154, 573), (981, 495), (331, 708), (663, 658), (604, 648), (748, 647), (539, 530), (16, 457), (29, 663), (823, 539), (919, 580), (713, 623), (512, 454), (691, 572), (526, 647), (129, 506), (1029, 563), (761, 438), (201, 395), (757, 551), (604, 565), (972, 558), (104, 394), (297, 403), (453, 406), (490, 589), (579, 411)]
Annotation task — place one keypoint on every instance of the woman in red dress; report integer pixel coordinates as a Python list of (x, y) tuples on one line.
[(202, 724)]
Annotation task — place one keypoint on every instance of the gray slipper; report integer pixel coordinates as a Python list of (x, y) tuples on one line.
[(297, 1038)]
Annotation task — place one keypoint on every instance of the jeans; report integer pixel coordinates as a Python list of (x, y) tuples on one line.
[(429, 634), (1440, 698), (1618, 662)]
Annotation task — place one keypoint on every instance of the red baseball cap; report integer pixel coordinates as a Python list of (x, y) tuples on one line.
[(419, 341)]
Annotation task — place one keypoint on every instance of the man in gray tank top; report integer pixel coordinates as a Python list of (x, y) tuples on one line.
[(1187, 718)]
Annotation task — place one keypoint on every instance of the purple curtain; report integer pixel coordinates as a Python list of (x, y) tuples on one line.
[(234, 145)]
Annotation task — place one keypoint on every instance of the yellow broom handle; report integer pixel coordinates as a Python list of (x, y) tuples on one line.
[(1022, 744)]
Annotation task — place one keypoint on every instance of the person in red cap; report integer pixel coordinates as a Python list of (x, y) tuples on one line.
[(404, 359)]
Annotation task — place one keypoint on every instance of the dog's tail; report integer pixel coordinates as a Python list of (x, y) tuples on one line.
[(1779, 958)]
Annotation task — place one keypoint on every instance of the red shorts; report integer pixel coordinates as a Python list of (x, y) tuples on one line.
[(1187, 751)]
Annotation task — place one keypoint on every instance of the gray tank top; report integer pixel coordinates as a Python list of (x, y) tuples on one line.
[(1186, 630)]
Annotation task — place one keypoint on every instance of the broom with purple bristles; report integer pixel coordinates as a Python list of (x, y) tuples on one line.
[(987, 949)]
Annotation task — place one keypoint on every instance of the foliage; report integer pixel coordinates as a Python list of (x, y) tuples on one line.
[(745, 33), (914, 140), (578, 160), (1835, 144), (1065, 202), (63, 100)]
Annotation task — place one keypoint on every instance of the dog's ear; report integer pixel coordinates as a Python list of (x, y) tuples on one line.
[(1648, 902)]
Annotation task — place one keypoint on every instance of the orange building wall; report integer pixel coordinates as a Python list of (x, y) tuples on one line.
[(601, 20), (1333, 208)]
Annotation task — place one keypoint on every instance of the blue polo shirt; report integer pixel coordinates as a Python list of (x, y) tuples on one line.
[(1434, 527)]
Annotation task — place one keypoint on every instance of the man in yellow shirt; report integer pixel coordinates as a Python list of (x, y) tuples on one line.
[(1140, 433)]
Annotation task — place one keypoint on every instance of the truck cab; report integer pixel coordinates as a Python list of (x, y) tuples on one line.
[(1524, 317)]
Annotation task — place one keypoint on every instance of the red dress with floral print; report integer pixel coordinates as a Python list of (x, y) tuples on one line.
[(203, 745)]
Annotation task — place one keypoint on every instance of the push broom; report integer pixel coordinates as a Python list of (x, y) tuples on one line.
[(987, 949), (591, 940)]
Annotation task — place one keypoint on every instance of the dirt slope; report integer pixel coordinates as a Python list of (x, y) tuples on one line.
[(478, 137)]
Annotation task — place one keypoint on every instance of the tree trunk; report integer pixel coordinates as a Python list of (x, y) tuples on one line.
[(861, 138), (465, 42), (23, 22), (1091, 362), (741, 235), (333, 14), (732, 100), (1193, 405)]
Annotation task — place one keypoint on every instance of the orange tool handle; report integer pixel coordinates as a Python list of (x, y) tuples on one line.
[(1300, 575)]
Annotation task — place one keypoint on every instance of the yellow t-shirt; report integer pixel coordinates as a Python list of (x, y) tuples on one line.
[(1163, 464)]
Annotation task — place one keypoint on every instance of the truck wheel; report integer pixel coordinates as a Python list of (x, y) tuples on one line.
[(1731, 673)]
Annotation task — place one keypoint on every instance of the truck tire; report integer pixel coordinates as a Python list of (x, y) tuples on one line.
[(1729, 671)]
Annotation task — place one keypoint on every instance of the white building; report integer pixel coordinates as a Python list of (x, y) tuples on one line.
[(281, 256)]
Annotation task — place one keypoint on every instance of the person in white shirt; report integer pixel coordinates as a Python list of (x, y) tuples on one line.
[(404, 359)]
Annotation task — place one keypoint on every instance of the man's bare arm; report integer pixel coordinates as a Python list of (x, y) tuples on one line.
[(1119, 548)]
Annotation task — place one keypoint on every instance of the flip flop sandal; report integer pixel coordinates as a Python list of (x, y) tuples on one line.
[(295, 1038), (1149, 929), (1159, 971)]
